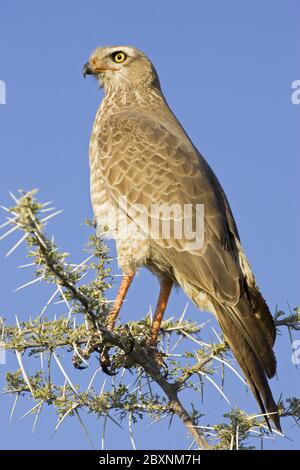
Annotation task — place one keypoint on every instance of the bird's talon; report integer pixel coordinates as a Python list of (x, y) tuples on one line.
[(107, 367), (108, 371), (105, 363), (166, 370)]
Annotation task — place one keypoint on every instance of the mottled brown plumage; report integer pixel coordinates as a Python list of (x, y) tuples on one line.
[(139, 151)]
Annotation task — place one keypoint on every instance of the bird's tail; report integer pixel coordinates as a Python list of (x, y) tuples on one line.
[(250, 333)]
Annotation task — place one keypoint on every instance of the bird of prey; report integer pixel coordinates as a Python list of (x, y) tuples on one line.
[(140, 158)]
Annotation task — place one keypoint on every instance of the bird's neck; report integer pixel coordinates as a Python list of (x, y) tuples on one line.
[(149, 101), (127, 97)]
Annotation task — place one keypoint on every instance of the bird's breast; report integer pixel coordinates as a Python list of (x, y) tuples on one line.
[(113, 223)]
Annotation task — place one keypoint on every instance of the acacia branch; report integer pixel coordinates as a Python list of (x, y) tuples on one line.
[(131, 352), (138, 355)]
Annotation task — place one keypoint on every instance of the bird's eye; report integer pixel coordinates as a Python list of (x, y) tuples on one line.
[(119, 57)]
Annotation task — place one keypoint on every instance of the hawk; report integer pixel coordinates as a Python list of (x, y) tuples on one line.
[(140, 158)]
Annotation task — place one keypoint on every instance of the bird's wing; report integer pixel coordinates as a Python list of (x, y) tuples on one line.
[(145, 163)]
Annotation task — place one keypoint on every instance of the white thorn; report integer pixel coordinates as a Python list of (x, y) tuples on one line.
[(37, 416), (73, 407), (92, 379), (82, 263), (47, 203), (13, 197), (51, 216), (17, 244), (65, 374), (194, 339), (49, 209), (26, 378), (9, 221), (25, 265), (47, 303), (220, 340), (232, 368), (63, 295), (183, 314), (15, 227), (215, 385), (29, 283), (42, 360), (7, 210), (84, 428), (130, 430), (18, 324), (32, 409), (103, 385), (14, 407)]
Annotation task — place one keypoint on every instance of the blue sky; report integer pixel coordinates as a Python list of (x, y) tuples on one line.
[(226, 69)]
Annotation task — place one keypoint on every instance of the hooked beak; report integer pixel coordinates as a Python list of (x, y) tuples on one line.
[(87, 70)]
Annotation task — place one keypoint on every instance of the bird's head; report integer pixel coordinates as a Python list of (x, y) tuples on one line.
[(121, 66)]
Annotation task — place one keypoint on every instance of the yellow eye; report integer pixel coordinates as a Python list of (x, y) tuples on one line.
[(119, 57)]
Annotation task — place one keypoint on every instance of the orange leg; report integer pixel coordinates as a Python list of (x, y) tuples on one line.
[(112, 317), (123, 289), (164, 294)]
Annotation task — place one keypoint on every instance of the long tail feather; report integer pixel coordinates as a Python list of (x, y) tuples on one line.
[(253, 350)]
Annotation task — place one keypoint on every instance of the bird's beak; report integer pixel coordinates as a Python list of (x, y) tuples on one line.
[(87, 70)]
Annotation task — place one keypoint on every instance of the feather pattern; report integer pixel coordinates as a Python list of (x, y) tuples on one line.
[(140, 153)]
